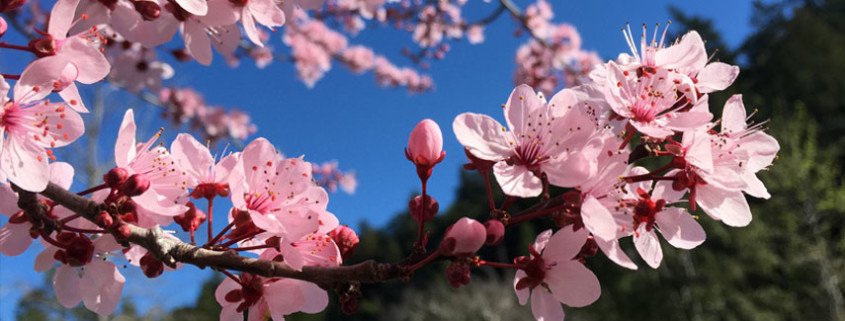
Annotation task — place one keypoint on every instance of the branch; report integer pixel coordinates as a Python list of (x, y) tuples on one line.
[(170, 251)]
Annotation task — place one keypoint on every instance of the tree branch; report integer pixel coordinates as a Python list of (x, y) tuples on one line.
[(170, 251)]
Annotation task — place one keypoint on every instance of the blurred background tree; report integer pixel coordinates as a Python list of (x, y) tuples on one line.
[(789, 264)]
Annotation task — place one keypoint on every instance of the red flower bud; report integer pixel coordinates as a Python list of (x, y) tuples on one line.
[(191, 219), (420, 214), (122, 231), (104, 219), (346, 240), (136, 185), (3, 26), (151, 267), (495, 232), (9, 5), (116, 177)]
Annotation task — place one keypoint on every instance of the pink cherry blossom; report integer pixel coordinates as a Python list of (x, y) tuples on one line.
[(650, 103), (168, 182), (136, 69), (202, 170), (551, 276), (30, 128), (263, 297), (557, 139)]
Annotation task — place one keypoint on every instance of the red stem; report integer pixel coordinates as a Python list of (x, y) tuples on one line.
[(10, 76), (531, 216), (489, 189), (499, 265), (431, 256), (220, 235), (254, 247), (422, 220), (232, 242), (50, 240), (231, 276), (69, 218), (8, 46), (91, 190), (82, 230), (210, 215)]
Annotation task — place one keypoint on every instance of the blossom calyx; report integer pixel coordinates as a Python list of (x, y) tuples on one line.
[(345, 239), (149, 10), (495, 232), (463, 238), (152, 268), (458, 274), (420, 213)]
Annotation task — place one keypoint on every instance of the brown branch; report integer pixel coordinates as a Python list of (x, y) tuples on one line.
[(170, 251)]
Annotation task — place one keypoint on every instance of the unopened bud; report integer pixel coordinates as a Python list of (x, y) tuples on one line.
[(136, 185), (151, 267), (149, 10), (181, 55), (463, 238), (458, 274), (3, 26), (420, 214), (350, 307), (495, 232), (346, 240), (116, 177), (425, 147), (103, 219)]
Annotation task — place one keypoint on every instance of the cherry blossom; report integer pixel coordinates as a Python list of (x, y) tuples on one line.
[(551, 276), (30, 129), (263, 297), (556, 139)]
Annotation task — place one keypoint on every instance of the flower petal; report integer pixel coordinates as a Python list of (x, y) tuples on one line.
[(680, 228), (482, 135)]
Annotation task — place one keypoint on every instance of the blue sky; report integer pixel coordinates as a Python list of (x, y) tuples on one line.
[(347, 118)]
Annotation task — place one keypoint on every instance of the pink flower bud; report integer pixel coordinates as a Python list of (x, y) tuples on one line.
[(425, 145), (420, 214), (495, 232), (3, 26), (151, 267), (463, 238), (346, 240), (136, 185), (457, 274), (116, 177)]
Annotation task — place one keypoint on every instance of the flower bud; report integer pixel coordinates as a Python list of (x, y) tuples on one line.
[(463, 238), (149, 10), (349, 307), (9, 5), (116, 177), (151, 267), (346, 240), (458, 274), (122, 231), (103, 219), (136, 185), (425, 147), (495, 232), (420, 214), (3, 26)]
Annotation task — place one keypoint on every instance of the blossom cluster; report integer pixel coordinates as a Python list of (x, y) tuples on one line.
[(652, 103)]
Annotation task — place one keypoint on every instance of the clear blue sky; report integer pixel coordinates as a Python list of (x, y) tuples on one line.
[(348, 118)]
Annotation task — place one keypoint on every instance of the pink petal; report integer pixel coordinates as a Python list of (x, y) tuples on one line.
[(542, 240), (310, 4), (193, 157), (283, 297), (482, 135), (688, 55), (573, 284), (564, 245), (544, 306), (522, 104), (8, 200), (197, 7), (316, 298), (651, 129), (688, 120), (66, 284), (61, 17), (698, 150), (92, 65), (754, 186), (569, 170), (220, 13), (762, 149), (45, 260), (648, 246), (41, 73), (266, 13), (521, 294), (227, 39), (101, 287), (106, 243), (663, 190), (733, 115), (716, 76), (597, 219), (614, 252), (61, 127), (124, 147), (249, 28), (517, 180), (679, 228), (15, 238), (728, 206), (71, 94), (20, 162), (197, 42)]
